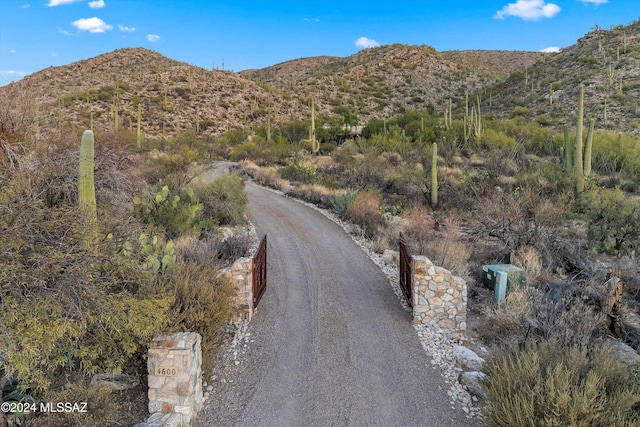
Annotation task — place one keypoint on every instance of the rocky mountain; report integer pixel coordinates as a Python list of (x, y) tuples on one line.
[(173, 96), (384, 81), (606, 62), (380, 82)]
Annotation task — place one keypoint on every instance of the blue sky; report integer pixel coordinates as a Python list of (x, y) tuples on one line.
[(36, 34)]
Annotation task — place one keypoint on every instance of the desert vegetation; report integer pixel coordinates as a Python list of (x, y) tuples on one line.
[(476, 164), (100, 250), (506, 192)]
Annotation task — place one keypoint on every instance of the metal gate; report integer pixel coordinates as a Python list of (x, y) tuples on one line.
[(406, 271), (260, 271)]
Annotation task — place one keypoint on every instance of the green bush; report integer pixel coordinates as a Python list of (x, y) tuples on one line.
[(298, 172), (492, 139), (61, 304), (553, 384), (247, 150), (616, 154), (340, 203), (614, 221), (224, 201)]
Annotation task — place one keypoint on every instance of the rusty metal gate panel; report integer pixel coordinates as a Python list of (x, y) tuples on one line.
[(406, 271), (260, 271)]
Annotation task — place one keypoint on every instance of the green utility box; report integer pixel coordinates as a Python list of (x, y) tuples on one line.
[(515, 275)]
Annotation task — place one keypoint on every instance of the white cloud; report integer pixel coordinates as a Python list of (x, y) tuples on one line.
[(26, 6), (551, 49), (12, 51), (312, 19), (126, 29), (529, 10), (97, 4), (13, 72), (365, 42), (53, 3), (93, 25), (153, 37), (66, 33), (596, 2), (54, 54)]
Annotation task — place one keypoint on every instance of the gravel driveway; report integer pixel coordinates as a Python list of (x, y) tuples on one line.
[(330, 344)]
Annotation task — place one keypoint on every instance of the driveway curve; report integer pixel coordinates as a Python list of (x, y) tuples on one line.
[(330, 344)]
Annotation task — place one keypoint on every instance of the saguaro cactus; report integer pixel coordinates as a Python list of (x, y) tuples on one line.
[(315, 147), (138, 131), (568, 151), (86, 186), (434, 175), (587, 148), (579, 170)]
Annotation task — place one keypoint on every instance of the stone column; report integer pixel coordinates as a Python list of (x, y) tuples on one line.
[(175, 377), (241, 276), (438, 296)]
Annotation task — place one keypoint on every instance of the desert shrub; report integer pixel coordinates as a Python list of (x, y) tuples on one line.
[(497, 140), (614, 221), (526, 217), (298, 172), (247, 150), (419, 229), (551, 383), (281, 151), (172, 164), (224, 200), (234, 247), (17, 113), (312, 193), (341, 202), (202, 304), (345, 155), (266, 176), (61, 304), (212, 250), (103, 407), (530, 260), (441, 242), (365, 173), (202, 251), (365, 212), (62, 300), (530, 314), (545, 178), (614, 153)]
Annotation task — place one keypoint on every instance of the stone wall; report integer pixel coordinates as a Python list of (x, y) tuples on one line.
[(175, 379), (438, 296), (241, 276)]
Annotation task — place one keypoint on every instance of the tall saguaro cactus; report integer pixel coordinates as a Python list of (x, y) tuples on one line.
[(315, 147), (588, 147), (86, 186), (578, 165), (434, 175), (139, 131), (568, 151)]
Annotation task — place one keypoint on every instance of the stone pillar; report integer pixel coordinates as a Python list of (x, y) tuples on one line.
[(175, 377), (240, 274), (438, 296)]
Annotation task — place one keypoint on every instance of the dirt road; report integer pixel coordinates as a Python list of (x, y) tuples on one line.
[(330, 344)]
